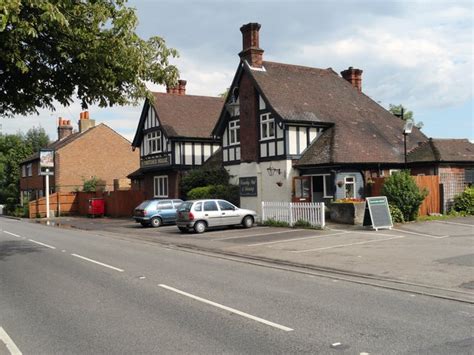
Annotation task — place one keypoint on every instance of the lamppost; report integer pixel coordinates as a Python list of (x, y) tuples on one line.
[(406, 131)]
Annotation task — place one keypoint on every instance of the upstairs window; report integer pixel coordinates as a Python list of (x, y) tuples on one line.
[(234, 132), (29, 170), (154, 142), (23, 170), (267, 126)]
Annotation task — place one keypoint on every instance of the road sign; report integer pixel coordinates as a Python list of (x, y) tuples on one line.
[(377, 213)]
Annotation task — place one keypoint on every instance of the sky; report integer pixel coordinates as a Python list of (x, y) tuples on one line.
[(415, 53)]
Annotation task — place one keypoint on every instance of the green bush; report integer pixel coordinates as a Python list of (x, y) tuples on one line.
[(203, 177), (464, 202), (274, 223), (225, 192), (93, 184), (401, 191), (397, 215)]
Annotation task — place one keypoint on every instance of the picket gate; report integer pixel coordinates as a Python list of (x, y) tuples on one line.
[(290, 212)]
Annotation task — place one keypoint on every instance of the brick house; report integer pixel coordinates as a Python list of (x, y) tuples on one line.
[(451, 159), (173, 136), (305, 134), (92, 151)]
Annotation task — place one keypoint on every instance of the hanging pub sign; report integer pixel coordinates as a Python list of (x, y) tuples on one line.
[(377, 213), (46, 162)]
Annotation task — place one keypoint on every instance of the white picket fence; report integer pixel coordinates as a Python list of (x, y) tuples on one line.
[(290, 212)]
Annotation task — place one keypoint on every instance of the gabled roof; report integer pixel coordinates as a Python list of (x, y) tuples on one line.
[(443, 150), (365, 131), (183, 115)]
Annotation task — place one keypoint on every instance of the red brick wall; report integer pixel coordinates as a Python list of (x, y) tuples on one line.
[(100, 152), (248, 99), (34, 182)]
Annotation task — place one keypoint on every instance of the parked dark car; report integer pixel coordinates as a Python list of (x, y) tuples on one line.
[(156, 212)]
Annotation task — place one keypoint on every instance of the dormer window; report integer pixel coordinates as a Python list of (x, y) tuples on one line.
[(234, 132), (154, 142), (267, 126)]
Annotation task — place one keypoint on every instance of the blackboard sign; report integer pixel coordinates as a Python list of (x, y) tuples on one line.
[(377, 213), (248, 186)]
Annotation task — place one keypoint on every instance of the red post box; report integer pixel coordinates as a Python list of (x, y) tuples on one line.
[(96, 207)]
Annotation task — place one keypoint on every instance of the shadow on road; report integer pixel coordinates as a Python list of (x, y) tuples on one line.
[(10, 248)]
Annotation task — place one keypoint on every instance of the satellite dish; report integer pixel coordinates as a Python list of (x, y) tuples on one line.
[(408, 127)]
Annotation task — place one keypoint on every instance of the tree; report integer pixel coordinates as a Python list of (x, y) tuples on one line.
[(13, 149), (407, 115), (57, 50), (402, 192)]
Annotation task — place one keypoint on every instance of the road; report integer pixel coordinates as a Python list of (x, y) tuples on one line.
[(75, 292)]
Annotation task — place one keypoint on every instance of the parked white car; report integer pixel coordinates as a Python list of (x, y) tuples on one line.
[(202, 214)]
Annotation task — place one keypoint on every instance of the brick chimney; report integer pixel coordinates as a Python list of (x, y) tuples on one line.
[(85, 122), (182, 87), (64, 128), (354, 76), (179, 89), (251, 51)]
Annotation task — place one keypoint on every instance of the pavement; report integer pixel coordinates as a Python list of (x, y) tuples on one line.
[(434, 258)]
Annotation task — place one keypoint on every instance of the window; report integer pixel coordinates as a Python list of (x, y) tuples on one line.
[(165, 205), (198, 207), (267, 126), (153, 141), (23, 170), (234, 132), (160, 186), (302, 187), (210, 206), (393, 171), (226, 206), (29, 170), (349, 187)]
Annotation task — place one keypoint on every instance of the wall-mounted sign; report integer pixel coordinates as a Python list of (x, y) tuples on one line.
[(156, 161), (377, 214), (248, 186), (46, 162)]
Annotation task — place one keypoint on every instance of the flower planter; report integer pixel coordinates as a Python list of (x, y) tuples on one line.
[(347, 213)]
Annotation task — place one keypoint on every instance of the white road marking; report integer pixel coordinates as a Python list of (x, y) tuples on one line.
[(232, 310), (422, 234), (98, 262), (294, 239), (43, 244), (260, 234), (11, 346), (458, 224), (13, 234), (346, 245)]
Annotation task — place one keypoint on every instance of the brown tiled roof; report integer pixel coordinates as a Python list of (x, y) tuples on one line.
[(187, 115), (321, 151), (365, 131), (443, 150)]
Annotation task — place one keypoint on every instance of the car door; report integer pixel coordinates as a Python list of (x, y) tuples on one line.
[(166, 211), (229, 213), (212, 214)]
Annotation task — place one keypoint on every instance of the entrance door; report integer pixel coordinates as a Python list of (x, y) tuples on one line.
[(318, 188), (301, 189)]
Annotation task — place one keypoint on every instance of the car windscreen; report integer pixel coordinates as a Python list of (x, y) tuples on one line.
[(185, 207)]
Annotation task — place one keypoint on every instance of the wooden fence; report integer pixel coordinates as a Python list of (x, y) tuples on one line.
[(117, 203), (61, 203), (291, 213), (432, 202)]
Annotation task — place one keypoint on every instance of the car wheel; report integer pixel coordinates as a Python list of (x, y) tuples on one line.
[(155, 222), (200, 227), (182, 229), (247, 222)]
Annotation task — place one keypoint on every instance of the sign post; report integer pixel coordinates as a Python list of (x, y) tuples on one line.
[(47, 168), (377, 213)]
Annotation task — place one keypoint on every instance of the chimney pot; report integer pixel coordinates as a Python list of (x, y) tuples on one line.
[(86, 115), (64, 128), (251, 51), (354, 76)]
